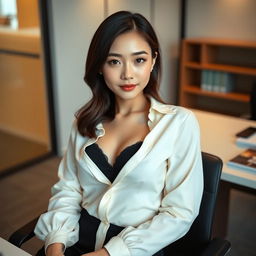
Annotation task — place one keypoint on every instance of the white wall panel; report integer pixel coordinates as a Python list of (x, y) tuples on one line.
[(233, 19), (72, 24), (167, 26), (141, 6)]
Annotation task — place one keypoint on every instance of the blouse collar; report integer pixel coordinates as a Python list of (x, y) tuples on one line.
[(156, 111)]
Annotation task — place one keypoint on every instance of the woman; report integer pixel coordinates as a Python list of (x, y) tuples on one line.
[(131, 180)]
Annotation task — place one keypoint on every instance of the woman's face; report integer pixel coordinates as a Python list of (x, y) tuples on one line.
[(128, 66)]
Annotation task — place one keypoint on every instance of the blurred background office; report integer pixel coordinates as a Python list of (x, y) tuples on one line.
[(24, 124)]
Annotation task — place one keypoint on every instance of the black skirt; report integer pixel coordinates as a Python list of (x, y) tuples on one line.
[(88, 226)]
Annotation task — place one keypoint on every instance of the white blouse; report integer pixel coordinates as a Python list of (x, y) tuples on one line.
[(156, 195)]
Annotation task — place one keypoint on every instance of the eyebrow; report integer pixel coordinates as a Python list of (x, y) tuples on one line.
[(133, 54)]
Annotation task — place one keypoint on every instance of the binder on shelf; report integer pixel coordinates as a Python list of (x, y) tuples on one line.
[(204, 79), (209, 81), (216, 83), (226, 82), (222, 82)]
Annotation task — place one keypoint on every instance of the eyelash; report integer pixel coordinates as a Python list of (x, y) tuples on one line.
[(140, 60), (115, 62)]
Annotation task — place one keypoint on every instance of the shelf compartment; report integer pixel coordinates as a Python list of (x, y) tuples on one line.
[(220, 105), (231, 55), (225, 68), (193, 89), (192, 52)]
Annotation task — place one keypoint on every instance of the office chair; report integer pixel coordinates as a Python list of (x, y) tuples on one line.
[(198, 240)]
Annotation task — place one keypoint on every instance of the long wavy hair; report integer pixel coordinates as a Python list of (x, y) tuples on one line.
[(102, 107)]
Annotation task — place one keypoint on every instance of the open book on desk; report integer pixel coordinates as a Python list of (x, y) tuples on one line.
[(245, 160)]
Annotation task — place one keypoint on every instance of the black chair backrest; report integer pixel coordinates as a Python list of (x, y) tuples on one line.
[(200, 232)]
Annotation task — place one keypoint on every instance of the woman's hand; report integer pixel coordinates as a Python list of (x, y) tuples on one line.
[(101, 252), (55, 249)]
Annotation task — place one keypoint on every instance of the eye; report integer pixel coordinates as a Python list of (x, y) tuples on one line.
[(113, 62), (140, 60)]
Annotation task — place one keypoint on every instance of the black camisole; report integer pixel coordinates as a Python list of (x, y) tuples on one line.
[(101, 160)]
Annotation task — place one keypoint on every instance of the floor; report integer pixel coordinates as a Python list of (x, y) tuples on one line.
[(12, 150), (24, 195)]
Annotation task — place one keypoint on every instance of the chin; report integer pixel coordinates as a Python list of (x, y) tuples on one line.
[(129, 96)]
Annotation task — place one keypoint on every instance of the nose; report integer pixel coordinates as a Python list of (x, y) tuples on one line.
[(127, 72)]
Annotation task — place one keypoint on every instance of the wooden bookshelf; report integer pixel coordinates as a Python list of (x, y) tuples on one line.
[(234, 57)]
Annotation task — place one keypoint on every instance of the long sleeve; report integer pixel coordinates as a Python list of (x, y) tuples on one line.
[(180, 203), (60, 222)]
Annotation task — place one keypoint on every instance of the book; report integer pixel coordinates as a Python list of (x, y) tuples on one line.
[(246, 160), (246, 138), (209, 80), (215, 81), (204, 79), (226, 82)]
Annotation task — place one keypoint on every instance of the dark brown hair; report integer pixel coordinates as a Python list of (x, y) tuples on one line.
[(102, 104)]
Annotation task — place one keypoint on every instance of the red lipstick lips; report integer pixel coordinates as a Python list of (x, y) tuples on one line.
[(128, 87)]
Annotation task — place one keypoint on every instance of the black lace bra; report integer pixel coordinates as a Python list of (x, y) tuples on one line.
[(101, 160)]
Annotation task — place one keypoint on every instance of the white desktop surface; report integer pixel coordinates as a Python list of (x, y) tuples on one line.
[(8, 249), (218, 138)]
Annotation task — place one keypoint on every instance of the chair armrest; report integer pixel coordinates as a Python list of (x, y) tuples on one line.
[(24, 233), (217, 247)]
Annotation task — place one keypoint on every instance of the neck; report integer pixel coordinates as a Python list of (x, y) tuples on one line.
[(127, 107)]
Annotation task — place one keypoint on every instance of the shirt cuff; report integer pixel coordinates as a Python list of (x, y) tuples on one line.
[(117, 247), (56, 237)]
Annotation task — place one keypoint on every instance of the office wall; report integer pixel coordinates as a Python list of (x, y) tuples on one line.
[(166, 20), (233, 19), (72, 24)]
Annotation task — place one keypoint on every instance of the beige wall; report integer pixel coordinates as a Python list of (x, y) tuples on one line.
[(232, 19)]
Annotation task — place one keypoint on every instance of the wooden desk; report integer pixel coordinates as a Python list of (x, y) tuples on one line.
[(8, 249), (218, 138)]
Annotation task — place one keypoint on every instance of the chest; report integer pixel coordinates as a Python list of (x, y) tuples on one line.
[(121, 134)]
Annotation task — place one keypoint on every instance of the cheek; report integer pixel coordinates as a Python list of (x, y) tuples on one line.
[(109, 75), (145, 72)]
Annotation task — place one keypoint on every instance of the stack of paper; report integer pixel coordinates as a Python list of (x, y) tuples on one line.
[(249, 142), (246, 160), (246, 138)]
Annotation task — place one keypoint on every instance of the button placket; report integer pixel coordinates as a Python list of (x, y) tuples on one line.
[(103, 206)]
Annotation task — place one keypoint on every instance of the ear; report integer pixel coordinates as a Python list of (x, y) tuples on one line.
[(153, 61)]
